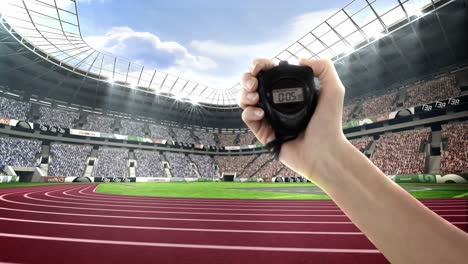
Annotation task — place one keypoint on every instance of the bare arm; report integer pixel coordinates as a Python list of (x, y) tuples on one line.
[(403, 229)]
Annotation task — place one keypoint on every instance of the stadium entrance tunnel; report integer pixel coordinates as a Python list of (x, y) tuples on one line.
[(25, 176), (228, 177), (82, 179)]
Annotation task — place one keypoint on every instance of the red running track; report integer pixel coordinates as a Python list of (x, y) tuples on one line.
[(73, 224)]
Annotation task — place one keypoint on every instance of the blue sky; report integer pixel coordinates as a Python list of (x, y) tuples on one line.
[(208, 41)]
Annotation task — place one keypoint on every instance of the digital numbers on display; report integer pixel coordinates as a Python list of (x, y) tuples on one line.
[(290, 95)]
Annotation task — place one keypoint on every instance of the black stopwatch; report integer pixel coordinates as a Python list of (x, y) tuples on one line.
[(288, 96)]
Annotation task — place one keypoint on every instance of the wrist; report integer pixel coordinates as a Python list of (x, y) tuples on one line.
[(329, 164)]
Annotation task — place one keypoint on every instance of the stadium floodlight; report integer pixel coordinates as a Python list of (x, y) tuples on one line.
[(177, 97), (193, 102)]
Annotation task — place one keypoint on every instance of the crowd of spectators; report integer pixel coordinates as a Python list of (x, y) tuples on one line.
[(68, 160), (132, 128), (227, 139), (347, 110), (246, 138), (14, 109), (205, 138), (401, 153), (55, 117), (160, 132), (380, 105), (19, 152), (205, 165), (99, 123), (255, 165), (431, 91), (149, 164), (269, 170), (361, 143), (180, 165), (454, 159), (233, 164), (183, 136), (111, 162), (287, 172)]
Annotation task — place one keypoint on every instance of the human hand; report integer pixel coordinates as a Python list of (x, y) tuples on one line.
[(323, 135)]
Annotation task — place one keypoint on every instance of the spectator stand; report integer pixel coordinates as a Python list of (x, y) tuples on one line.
[(99, 123), (454, 154), (68, 160), (149, 164), (111, 162), (254, 166), (14, 109), (402, 152)]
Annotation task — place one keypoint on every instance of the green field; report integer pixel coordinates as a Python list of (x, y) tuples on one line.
[(225, 190), (234, 190), (206, 190)]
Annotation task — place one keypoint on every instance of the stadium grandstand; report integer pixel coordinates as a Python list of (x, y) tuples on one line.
[(71, 113)]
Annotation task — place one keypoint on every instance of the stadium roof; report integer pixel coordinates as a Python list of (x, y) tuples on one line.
[(53, 27)]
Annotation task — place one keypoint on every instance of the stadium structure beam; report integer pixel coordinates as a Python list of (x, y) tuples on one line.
[(351, 47), (377, 16), (83, 80), (61, 25), (400, 52), (59, 84), (444, 33), (53, 68), (172, 87), (429, 61)]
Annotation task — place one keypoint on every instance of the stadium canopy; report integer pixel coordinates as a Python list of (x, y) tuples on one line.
[(53, 29)]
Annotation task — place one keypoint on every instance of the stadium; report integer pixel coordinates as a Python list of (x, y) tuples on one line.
[(106, 160)]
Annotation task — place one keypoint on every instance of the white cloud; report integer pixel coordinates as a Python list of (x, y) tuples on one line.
[(217, 64), (295, 29), (148, 49)]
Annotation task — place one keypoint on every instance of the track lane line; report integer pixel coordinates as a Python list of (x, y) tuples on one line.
[(173, 245), (181, 229)]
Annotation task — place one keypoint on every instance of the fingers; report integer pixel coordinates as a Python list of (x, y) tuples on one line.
[(261, 64), (249, 82), (248, 99), (251, 117), (325, 71)]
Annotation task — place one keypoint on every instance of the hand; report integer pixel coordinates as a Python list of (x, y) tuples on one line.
[(323, 135)]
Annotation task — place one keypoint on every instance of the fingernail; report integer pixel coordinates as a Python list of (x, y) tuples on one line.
[(251, 96), (249, 84), (252, 69), (259, 112)]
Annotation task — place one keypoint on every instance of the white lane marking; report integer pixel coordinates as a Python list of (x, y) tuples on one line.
[(120, 204), (180, 208), (461, 195), (170, 212), (177, 219), (193, 246), (156, 212), (228, 202), (182, 229), (27, 195), (171, 219)]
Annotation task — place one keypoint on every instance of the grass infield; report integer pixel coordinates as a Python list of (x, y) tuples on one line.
[(225, 190), (228, 190)]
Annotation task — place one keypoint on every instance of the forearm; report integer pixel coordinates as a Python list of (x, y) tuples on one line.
[(400, 226)]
